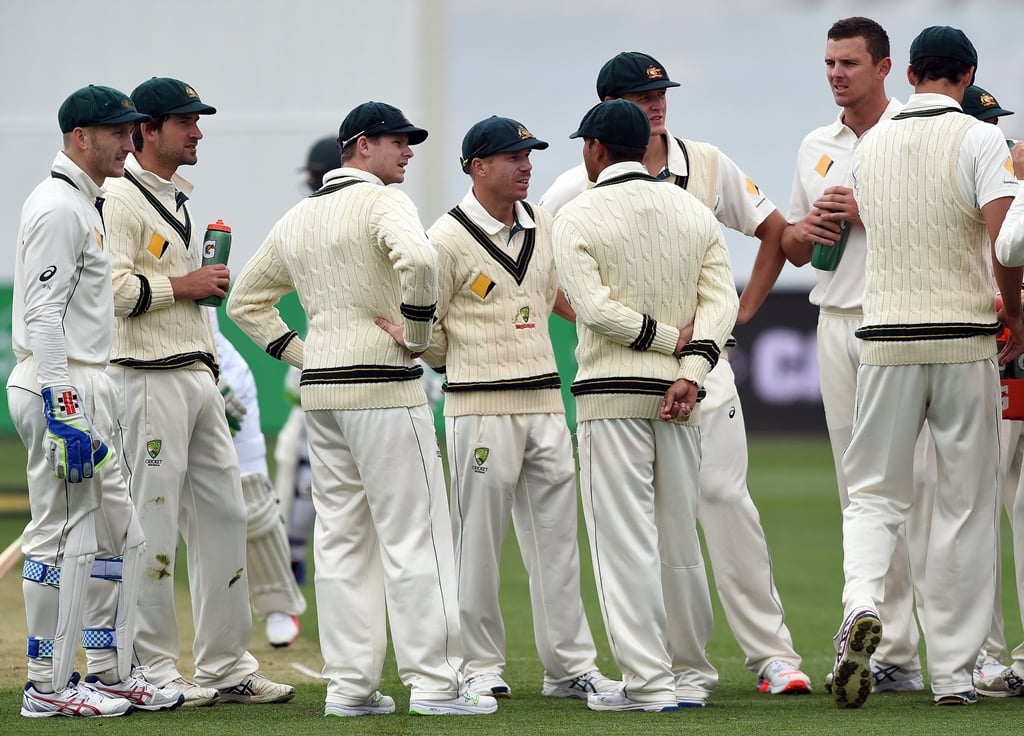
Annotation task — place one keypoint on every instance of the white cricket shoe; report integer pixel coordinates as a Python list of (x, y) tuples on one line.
[(488, 684), (857, 640), (138, 692), (257, 689), (891, 678), (988, 669), (196, 696), (581, 687), (74, 701), (282, 629), (467, 704), (375, 705), (620, 701), (781, 677), (1005, 684)]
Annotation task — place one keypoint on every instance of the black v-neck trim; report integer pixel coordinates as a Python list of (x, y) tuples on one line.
[(516, 267), (184, 230)]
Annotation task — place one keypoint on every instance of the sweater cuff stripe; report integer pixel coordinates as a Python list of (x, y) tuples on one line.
[(418, 314), (145, 299), (646, 337), (276, 348), (706, 349)]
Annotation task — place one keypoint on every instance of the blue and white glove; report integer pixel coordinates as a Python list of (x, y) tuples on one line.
[(71, 450), (234, 409)]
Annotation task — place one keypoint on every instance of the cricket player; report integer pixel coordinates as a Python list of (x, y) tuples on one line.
[(857, 63), (181, 464), (933, 186), (735, 541), (637, 259), (509, 451), (355, 252), (83, 545)]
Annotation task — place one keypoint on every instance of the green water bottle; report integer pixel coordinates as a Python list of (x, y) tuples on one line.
[(216, 247), (826, 257)]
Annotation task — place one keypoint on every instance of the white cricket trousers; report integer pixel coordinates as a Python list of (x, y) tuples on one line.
[(382, 548), (838, 361), (519, 467), (735, 540), (961, 405), (183, 475), (638, 480)]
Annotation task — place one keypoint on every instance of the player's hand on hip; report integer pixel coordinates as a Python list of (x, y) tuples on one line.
[(397, 332), (70, 444)]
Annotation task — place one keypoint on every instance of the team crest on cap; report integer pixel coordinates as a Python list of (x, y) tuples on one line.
[(191, 93), (126, 103), (524, 134), (987, 100), (655, 72)]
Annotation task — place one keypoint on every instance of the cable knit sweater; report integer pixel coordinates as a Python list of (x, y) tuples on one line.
[(494, 301), (152, 238), (639, 259), (928, 295), (354, 250)]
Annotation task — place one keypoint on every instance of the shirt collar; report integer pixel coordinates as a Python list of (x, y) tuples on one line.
[(476, 212), (157, 184), (348, 171), (676, 162), (620, 168), (926, 100), (839, 127), (62, 164)]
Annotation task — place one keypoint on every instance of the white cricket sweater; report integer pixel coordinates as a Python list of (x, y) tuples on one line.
[(353, 250), (638, 260), (928, 295), (494, 301), (153, 237)]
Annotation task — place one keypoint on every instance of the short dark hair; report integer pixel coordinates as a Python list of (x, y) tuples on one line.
[(156, 123), (875, 37), (618, 152), (935, 68)]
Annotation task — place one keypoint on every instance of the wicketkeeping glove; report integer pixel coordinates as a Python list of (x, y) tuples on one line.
[(234, 409), (71, 450)]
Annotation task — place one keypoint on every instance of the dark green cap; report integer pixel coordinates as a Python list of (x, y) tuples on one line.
[(497, 135), (323, 156), (165, 96), (981, 104), (631, 71), (377, 118), (945, 42), (96, 105), (618, 122)]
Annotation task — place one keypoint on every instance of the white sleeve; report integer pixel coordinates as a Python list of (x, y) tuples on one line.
[(1010, 243), (741, 205)]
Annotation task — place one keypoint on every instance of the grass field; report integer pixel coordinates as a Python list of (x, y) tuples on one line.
[(793, 485)]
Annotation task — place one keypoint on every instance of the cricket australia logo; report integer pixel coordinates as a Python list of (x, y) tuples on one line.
[(480, 455), (523, 320), (153, 448)]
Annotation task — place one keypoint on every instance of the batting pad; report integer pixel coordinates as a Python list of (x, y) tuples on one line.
[(272, 585)]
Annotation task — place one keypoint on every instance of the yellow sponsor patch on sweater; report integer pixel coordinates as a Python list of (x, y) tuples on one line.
[(99, 237), (1008, 165), (752, 188), (157, 245), (481, 286), (824, 164)]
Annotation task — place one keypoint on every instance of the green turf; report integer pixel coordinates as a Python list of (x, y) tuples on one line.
[(793, 485)]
